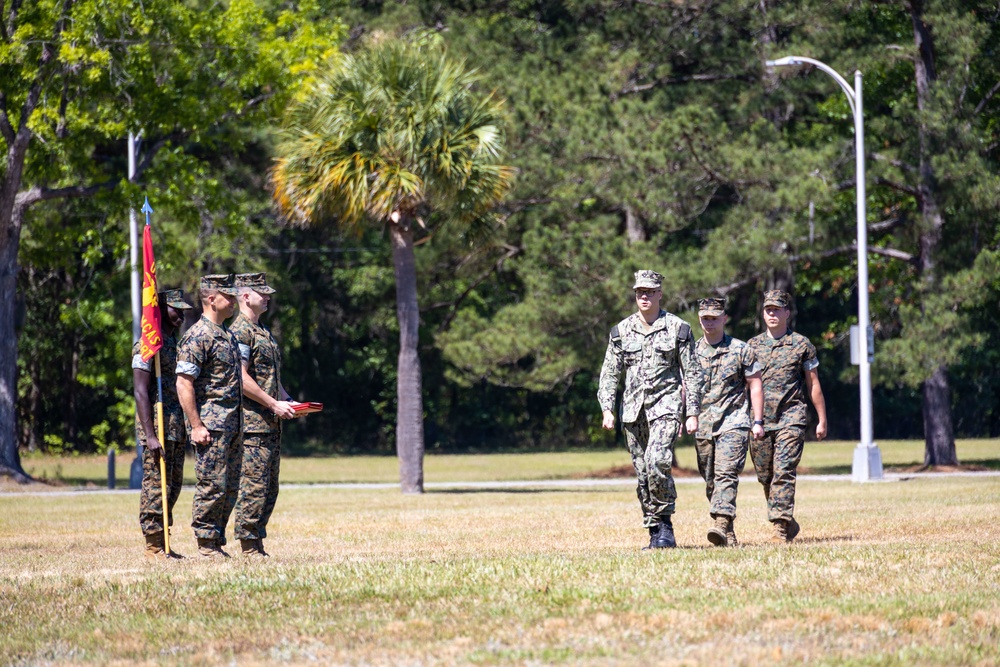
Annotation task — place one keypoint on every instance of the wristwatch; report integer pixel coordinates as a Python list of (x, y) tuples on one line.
[(758, 422)]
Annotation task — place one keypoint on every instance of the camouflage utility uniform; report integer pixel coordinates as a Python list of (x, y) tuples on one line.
[(655, 362), (262, 430), (173, 441), (724, 422), (208, 353), (784, 363)]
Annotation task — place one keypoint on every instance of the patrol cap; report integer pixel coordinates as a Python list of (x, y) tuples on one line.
[(777, 298), (712, 306), (174, 298), (255, 281), (222, 282), (646, 279)]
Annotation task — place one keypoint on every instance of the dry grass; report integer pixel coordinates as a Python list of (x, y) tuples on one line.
[(894, 573)]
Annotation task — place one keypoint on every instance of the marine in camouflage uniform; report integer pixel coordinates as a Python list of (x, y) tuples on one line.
[(788, 363), (730, 368), (656, 351), (265, 400), (171, 443), (210, 389)]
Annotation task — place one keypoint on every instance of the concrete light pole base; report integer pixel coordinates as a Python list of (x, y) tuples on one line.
[(867, 464)]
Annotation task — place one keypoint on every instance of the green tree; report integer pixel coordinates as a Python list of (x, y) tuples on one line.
[(77, 75), (400, 136)]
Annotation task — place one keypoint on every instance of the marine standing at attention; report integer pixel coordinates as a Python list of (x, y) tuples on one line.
[(210, 390), (788, 363), (265, 402), (656, 351), (172, 307), (731, 372)]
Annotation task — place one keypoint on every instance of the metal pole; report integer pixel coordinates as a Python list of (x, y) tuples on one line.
[(864, 320), (135, 472), (867, 457), (133, 237)]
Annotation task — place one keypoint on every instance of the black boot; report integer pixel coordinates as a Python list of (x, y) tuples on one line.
[(654, 532), (662, 536), (665, 540)]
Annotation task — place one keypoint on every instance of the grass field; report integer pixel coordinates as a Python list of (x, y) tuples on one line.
[(895, 573), (820, 457)]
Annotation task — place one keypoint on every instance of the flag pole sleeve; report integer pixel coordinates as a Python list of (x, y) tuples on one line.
[(163, 457)]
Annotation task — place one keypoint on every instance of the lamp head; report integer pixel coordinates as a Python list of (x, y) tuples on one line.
[(784, 62)]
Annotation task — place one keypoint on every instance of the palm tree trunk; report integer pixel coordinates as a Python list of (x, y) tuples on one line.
[(409, 400)]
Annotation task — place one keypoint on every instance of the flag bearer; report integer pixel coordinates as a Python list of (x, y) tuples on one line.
[(172, 306)]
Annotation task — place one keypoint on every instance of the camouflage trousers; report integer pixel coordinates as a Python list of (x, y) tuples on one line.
[(652, 449), (217, 475), (720, 462), (258, 484), (776, 458), (151, 496)]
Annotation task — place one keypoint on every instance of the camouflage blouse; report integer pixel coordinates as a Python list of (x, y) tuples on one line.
[(658, 364), (784, 363), (259, 351), (208, 353), (724, 404), (173, 415)]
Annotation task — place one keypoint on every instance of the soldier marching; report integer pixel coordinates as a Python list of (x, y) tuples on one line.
[(731, 372), (656, 351)]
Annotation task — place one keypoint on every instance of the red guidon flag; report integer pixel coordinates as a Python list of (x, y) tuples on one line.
[(151, 339)]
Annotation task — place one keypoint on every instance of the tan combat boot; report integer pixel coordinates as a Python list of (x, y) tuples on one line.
[(792, 529), (154, 546), (210, 548), (717, 533), (731, 540), (249, 549), (780, 532)]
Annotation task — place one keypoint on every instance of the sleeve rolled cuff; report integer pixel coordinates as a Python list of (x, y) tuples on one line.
[(187, 368), (138, 363), (244, 352), (811, 364)]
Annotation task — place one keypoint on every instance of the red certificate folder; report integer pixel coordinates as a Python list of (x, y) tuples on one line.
[(306, 408)]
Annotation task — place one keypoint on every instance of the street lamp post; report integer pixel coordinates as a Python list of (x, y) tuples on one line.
[(867, 457)]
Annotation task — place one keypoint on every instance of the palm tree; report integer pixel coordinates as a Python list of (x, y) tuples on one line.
[(388, 136)]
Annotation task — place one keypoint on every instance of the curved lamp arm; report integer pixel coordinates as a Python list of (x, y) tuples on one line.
[(788, 61)]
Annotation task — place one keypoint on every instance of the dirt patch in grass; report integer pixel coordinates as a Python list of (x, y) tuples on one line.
[(626, 471), (924, 468)]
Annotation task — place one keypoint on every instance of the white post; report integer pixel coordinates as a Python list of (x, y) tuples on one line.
[(867, 457)]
